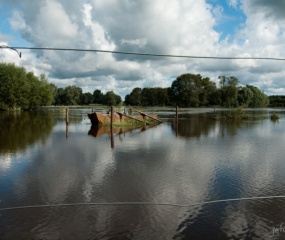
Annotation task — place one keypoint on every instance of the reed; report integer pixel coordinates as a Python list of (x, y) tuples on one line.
[(274, 116), (234, 114)]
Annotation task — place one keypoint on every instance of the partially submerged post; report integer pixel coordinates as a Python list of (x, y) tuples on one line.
[(112, 116), (112, 137), (66, 130), (176, 121), (66, 116), (176, 113), (111, 127)]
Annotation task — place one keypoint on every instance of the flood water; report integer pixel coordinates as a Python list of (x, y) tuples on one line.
[(78, 182)]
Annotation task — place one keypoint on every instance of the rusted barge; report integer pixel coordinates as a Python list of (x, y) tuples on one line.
[(121, 119)]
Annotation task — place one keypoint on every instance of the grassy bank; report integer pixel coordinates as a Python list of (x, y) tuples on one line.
[(242, 114)]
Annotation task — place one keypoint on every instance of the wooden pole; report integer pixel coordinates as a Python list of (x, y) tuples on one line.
[(144, 114), (111, 127), (176, 122), (121, 114), (112, 137), (176, 113), (66, 116), (66, 130), (112, 116)]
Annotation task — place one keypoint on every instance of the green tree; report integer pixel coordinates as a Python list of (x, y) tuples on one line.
[(162, 96), (35, 97), (148, 98), (86, 98), (98, 96), (59, 97), (277, 100), (72, 95), (245, 96), (259, 99), (229, 91), (118, 99), (54, 92), (190, 90), (14, 88), (22, 90), (46, 91), (111, 99), (134, 98), (207, 92), (156, 96)]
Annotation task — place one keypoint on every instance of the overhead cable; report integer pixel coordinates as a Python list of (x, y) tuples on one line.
[(146, 54)]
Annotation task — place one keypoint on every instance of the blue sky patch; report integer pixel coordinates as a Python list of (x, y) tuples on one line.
[(229, 19), (15, 37)]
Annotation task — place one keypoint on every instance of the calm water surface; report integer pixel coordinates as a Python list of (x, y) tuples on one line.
[(134, 178)]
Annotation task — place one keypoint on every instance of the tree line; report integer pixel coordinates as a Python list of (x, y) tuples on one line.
[(23, 90), (192, 90), (277, 101), (20, 89), (188, 90), (73, 95)]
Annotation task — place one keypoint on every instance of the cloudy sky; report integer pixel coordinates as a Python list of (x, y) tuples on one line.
[(227, 28)]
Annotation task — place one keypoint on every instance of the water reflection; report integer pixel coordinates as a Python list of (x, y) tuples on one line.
[(21, 129), (97, 131), (211, 162), (194, 125), (206, 125), (119, 131)]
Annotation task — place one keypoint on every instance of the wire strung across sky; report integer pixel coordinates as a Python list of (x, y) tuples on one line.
[(143, 54)]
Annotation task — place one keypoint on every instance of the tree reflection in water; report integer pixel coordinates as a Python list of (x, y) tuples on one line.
[(21, 129), (206, 124)]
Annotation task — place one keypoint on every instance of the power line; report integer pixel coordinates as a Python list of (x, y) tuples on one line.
[(5, 46), (147, 54)]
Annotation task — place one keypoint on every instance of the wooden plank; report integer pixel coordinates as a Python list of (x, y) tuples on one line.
[(144, 114), (122, 114)]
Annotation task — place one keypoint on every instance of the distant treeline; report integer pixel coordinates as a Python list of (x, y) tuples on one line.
[(73, 95), (23, 90), (277, 101), (20, 89), (190, 90)]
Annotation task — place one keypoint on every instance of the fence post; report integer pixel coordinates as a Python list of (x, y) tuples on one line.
[(111, 127), (176, 113), (66, 116), (112, 116), (176, 121)]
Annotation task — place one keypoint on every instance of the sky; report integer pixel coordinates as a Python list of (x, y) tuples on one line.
[(210, 28)]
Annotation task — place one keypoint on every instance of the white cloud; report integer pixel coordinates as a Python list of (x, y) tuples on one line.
[(53, 22), (218, 11), (99, 35), (272, 9), (248, 63), (183, 27), (5, 38), (137, 42), (9, 55), (233, 3), (17, 21)]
